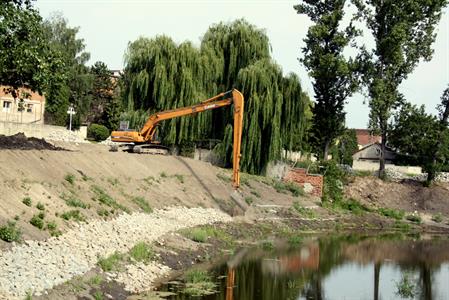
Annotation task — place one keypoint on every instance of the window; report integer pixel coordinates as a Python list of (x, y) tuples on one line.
[(29, 108), (6, 106)]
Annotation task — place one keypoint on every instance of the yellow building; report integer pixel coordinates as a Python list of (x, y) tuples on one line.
[(10, 108)]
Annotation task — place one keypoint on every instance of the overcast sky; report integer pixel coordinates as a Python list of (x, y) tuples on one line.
[(108, 26)]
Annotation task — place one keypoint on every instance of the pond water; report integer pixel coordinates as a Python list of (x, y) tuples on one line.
[(343, 267)]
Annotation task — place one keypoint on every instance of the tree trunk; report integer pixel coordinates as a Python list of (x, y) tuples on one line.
[(382, 154), (326, 150)]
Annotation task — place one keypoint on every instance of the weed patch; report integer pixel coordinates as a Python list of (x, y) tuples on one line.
[(438, 218), (142, 252), (38, 221), (73, 201), (27, 201), (70, 178), (391, 213), (110, 263), (303, 211), (414, 218), (10, 232), (73, 214), (284, 187), (255, 193), (249, 200), (143, 204), (102, 197), (198, 283)]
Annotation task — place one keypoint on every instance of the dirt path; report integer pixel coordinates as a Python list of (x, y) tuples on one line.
[(37, 266)]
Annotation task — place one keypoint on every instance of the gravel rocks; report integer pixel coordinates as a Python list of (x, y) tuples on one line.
[(37, 266), (65, 136), (398, 176), (140, 277)]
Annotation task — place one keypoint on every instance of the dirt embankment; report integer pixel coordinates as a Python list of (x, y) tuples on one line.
[(407, 195), (21, 142)]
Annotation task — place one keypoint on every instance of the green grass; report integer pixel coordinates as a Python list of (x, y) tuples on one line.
[(224, 177), (414, 218), (284, 187), (52, 225), (303, 211), (198, 283), (267, 245), (391, 213), (27, 201), (104, 198), (295, 240), (361, 173), (179, 177), (402, 226), (73, 201), (113, 181), (73, 214), (150, 180), (37, 221), (255, 193), (102, 212), (10, 232), (249, 200), (201, 234), (98, 295), (405, 287), (95, 280), (110, 263), (142, 252), (143, 204), (350, 205), (198, 235), (70, 178), (438, 218), (163, 175)]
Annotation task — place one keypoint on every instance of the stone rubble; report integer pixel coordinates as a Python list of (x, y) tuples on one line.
[(140, 277), (65, 136), (398, 176), (39, 265)]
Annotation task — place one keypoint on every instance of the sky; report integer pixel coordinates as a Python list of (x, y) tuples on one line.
[(108, 26)]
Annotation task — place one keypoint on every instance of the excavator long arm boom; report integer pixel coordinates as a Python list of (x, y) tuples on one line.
[(145, 135)]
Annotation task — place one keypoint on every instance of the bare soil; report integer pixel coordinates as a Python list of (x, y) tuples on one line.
[(21, 142), (407, 195)]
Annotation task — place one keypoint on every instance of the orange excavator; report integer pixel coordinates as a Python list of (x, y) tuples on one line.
[(143, 140)]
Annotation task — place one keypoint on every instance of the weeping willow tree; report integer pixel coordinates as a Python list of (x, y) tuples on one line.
[(161, 74)]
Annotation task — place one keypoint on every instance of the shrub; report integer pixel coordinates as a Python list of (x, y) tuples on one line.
[(10, 233), (73, 214), (70, 178), (97, 132), (74, 202), (40, 206), (142, 252), (103, 212), (391, 213), (179, 177), (255, 193), (37, 221), (438, 218), (304, 211), (143, 204), (249, 200), (414, 218), (27, 201), (105, 199)]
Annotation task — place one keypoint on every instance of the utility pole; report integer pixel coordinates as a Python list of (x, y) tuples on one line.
[(71, 112)]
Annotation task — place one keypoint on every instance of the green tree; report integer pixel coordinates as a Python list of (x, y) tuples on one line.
[(105, 106), (421, 137), (335, 78), (161, 74), (25, 58), (403, 32), (75, 81), (345, 147)]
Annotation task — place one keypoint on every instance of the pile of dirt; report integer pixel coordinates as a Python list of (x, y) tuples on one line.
[(408, 195), (21, 142)]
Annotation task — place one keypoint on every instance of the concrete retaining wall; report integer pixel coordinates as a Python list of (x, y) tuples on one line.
[(49, 132), (361, 165)]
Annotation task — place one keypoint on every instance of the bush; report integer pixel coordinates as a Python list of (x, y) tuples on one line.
[(40, 206), (391, 213), (198, 235), (438, 218), (414, 218), (37, 221), (10, 233), (27, 201), (70, 178), (97, 132)]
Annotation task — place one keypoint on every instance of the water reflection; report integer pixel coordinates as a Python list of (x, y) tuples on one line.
[(345, 267)]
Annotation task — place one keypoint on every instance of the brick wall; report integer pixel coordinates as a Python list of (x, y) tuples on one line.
[(312, 183)]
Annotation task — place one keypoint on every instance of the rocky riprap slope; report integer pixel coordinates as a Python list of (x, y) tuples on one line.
[(39, 265)]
